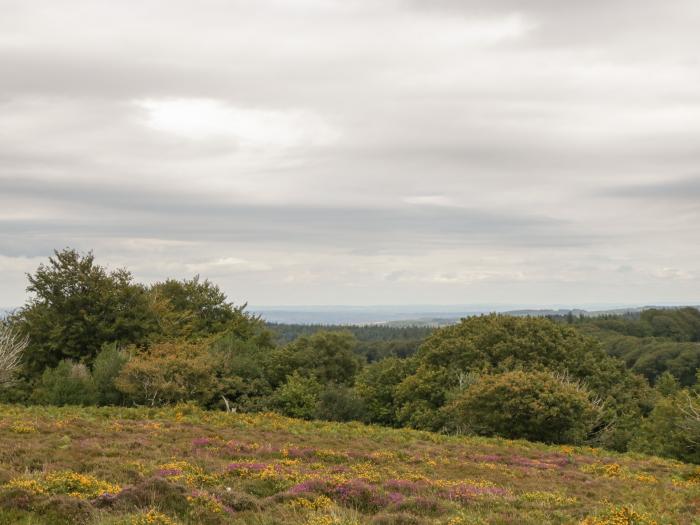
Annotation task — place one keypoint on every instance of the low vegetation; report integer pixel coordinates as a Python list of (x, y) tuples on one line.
[(183, 465), (206, 376)]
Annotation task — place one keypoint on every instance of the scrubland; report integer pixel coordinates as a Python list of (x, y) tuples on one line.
[(184, 465)]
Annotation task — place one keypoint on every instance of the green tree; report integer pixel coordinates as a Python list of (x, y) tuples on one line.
[(498, 343), (537, 406), (327, 356), (76, 307), (376, 387), (673, 428), (339, 403), (667, 384), (195, 309)]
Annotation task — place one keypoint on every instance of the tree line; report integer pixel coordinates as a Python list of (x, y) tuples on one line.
[(97, 337)]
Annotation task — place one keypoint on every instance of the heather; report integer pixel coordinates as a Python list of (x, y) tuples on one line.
[(183, 465)]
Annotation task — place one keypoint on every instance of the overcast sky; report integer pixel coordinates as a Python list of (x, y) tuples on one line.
[(358, 152)]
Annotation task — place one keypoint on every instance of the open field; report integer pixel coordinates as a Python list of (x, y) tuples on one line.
[(183, 465)]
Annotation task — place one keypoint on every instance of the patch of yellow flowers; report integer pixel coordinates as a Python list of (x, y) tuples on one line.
[(19, 427), (70, 483), (319, 503), (548, 498), (152, 517), (620, 516), (615, 470)]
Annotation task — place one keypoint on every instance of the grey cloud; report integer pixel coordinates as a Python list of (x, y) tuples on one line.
[(537, 141), (112, 211), (679, 190)]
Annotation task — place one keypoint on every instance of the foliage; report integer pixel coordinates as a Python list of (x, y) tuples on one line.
[(196, 309), (339, 403), (69, 383), (374, 342), (495, 344), (105, 370), (76, 307), (673, 427), (169, 372), (376, 387), (326, 356), (538, 406), (298, 396)]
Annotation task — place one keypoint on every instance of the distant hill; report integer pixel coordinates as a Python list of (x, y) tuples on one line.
[(429, 315)]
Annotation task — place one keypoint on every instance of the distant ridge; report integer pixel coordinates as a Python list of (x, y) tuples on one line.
[(421, 316)]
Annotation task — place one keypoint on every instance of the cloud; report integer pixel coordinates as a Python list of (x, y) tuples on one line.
[(202, 119), (350, 151)]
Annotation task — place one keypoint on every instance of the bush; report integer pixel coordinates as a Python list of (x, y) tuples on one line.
[(673, 428), (538, 406), (170, 372), (108, 364), (298, 397), (68, 384), (339, 403)]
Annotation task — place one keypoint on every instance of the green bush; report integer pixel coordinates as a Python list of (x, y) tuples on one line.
[(68, 384), (673, 428), (298, 397), (108, 364), (339, 403), (538, 406)]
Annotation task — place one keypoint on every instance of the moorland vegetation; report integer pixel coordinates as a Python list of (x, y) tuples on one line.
[(98, 337)]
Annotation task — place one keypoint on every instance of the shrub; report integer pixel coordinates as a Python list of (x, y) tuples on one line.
[(65, 510), (108, 364), (169, 372), (152, 492), (673, 428), (538, 406), (339, 403), (68, 384), (298, 397)]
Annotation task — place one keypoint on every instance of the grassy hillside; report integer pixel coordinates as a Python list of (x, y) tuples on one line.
[(186, 466)]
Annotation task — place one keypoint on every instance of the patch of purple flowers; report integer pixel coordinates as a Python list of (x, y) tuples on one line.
[(166, 472)]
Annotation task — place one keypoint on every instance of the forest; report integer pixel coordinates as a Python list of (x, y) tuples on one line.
[(91, 336)]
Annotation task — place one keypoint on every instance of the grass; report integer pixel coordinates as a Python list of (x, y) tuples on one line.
[(181, 465)]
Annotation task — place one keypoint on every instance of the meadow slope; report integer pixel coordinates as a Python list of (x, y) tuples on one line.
[(181, 465)]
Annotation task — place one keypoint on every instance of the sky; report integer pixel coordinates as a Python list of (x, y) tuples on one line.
[(365, 152)]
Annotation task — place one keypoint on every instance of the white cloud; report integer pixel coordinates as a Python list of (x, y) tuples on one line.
[(203, 119)]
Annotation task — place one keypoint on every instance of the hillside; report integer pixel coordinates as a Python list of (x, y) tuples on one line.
[(181, 465)]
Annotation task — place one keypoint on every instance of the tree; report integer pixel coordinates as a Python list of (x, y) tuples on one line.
[(196, 309), (76, 307), (327, 356), (11, 348), (376, 387), (492, 344), (673, 428), (537, 406)]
